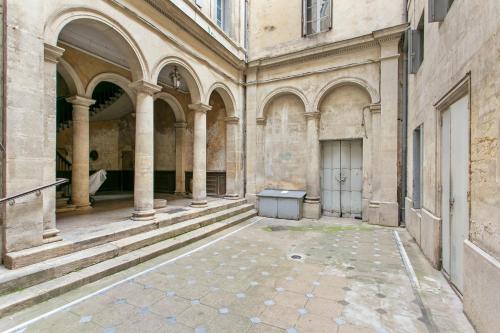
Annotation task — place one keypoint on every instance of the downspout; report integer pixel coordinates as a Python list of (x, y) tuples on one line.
[(404, 125), (2, 123), (244, 120)]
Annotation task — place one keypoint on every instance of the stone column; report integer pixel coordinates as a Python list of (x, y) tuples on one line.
[(312, 204), (232, 169), (200, 155), (180, 179), (80, 161), (51, 56), (144, 151), (251, 135), (260, 170), (384, 208)]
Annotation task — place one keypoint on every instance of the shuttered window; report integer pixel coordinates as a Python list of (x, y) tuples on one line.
[(316, 16), (438, 9), (416, 47)]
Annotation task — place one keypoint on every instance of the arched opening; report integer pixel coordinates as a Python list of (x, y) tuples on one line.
[(345, 132), (216, 146), (165, 148), (282, 137), (95, 126)]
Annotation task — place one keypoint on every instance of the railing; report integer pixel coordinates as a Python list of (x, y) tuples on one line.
[(62, 164), (12, 199)]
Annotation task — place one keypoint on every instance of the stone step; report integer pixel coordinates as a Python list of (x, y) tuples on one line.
[(18, 300), (56, 267), (18, 259)]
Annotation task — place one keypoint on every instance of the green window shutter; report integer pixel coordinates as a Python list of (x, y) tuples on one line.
[(438, 10), (415, 51)]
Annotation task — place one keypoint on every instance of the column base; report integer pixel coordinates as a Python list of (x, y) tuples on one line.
[(82, 206), (51, 235), (312, 209), (199, 204), (383, 213), (231, 197), (143, 215)]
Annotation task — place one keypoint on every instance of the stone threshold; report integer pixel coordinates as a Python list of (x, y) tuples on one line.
[(52, 287), (110, 233)]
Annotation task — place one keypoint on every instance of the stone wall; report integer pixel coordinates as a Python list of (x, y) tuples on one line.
[(216, 135), (456, 50), (285, 155), (164, 137), (271, 33)]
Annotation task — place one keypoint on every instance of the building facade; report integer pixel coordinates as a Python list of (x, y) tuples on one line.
[(365, 105), (452, 204)]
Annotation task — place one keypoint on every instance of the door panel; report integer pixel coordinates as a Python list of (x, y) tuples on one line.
[(459, 188), (445, 189), (342, 179), (455, 180)]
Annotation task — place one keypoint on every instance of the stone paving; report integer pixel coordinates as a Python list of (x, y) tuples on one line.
[(329, 276)]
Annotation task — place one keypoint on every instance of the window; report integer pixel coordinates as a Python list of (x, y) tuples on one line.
[(317, 16), (220, 12), (418, 160), (416, 47), (438, 10)]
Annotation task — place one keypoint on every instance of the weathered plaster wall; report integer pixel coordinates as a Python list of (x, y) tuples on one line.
[(164, 137), (457, 46), (285, 155), (271, 33), (465, 42), (216, 135), (342, 113)]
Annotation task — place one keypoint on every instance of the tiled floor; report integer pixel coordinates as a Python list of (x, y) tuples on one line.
[(347, 277)]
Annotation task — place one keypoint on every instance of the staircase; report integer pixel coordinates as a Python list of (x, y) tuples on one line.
[(63, 170), (105, 94), (46, 271)]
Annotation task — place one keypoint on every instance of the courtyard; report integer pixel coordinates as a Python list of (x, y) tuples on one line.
[(266, 275)]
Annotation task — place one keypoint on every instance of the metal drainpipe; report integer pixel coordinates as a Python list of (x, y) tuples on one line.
[(404, 124), (244, 121)]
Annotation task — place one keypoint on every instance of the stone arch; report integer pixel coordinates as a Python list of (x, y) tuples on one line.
[(57, 21), (188, 74), (374, 96), (117, 79), (280, 92), (227, 97), (180, 117), (71, 78)]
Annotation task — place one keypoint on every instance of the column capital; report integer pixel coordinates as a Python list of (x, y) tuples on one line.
[(52, 53), (80, 100), (180, 125), (312, 115), (232, 120), (145, 87), (200, 107), (375, 108), (261, 121)]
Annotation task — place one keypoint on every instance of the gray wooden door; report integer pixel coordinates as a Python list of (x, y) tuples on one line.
[(342, 178), (455, 184)]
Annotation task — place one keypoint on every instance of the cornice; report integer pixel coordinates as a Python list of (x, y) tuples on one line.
[(326, 50), (145, 87), (52, 53)]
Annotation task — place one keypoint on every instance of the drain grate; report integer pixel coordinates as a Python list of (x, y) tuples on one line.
[(296, 257)]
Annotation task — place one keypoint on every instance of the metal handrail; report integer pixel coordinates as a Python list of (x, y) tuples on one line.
[(12, 199)]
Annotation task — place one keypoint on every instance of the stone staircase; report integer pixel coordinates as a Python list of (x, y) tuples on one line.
[(43, 272)]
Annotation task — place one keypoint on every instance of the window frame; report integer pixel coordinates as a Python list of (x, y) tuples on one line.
[(319, 20), (418, 162)]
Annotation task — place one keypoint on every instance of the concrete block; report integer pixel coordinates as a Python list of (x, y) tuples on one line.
[(481, 288)]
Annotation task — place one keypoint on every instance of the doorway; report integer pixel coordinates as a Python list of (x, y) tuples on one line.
[(342, 178), (455, 184)]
